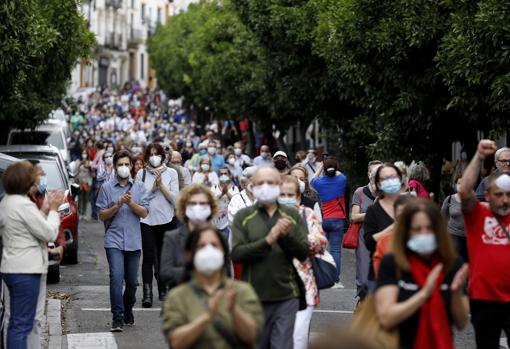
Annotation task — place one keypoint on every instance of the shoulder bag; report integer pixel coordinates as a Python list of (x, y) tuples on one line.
[(366, 324), (323, 266), (351, 236)]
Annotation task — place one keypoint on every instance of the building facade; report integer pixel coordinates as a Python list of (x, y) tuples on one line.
[(122, 28)]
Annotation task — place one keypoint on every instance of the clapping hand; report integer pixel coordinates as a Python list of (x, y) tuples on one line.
[(431, 282), (214, 303), (460, 279), (55, 199), (157, 181)]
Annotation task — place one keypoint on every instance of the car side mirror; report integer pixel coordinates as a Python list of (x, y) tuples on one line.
[(75, 190), (72, 168)]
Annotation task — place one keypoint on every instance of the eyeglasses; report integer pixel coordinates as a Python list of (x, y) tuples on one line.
[(388, 177), (504, 162)]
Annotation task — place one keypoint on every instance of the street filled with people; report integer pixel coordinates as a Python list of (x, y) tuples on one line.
[(238, 238)]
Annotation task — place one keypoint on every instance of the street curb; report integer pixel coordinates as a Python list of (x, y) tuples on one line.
[(54, 321)]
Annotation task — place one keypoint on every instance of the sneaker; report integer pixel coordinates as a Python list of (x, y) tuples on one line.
[(117, 326), (338, 285), (129, 319)]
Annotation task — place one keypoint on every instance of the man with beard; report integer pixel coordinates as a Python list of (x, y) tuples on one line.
[(502, 162), (488, 240)]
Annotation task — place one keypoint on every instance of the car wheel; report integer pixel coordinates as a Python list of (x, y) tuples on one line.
[(53, 274), (72, 253)]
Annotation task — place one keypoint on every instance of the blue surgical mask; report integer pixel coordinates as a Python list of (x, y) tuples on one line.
[(224, 179), (43, 184), (423, 244), (286, 201), (391, 186), (203, 151)]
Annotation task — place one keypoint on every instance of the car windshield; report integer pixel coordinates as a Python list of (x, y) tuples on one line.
[(37, 137), (55, 180)]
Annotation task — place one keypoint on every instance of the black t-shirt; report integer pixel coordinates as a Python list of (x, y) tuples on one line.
[(307, 202), (407, 288), (376, 220)]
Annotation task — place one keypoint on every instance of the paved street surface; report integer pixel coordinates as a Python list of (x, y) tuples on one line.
[(87, 315)]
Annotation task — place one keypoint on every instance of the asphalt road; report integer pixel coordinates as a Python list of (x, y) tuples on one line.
[(87, 316)]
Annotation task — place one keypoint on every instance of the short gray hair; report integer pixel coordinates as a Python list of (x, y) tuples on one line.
[(500, 151)]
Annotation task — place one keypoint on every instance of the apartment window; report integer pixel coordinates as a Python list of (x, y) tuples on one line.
[(142, 66), (160, 15), (143, 13), (132, 3)]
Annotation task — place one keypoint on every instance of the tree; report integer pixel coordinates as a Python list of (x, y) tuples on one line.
[(41, 41), (208, 56)]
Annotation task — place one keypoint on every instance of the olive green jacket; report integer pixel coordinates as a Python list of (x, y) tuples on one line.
[(269, 268)]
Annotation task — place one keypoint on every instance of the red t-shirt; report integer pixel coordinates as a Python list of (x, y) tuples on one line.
[(489, 255)]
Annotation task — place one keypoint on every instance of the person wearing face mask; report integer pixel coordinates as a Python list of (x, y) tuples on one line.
[(224, 193), (194, 162), (176, 160), (331, 185), (195, 206), (84, 179), (208, 310), (26, 229), (281, 162), (420, 288), (488, 241), (162, 184), (290, 195), (362, 199), (234, 166), (217, 160), (242, 159), (121, 203), (381, 215), (309, 197), (266, 238), (99, 175), (502, 162), (205, 175), (384, 240), (264, 158), (452, 210), (311, 163)]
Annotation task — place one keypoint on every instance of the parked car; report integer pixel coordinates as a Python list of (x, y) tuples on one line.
[(58, 179), (59, 117), (46, 134)]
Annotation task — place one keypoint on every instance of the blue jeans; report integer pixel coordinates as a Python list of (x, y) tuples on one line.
[(23, 291), (123, 267), (334, 229)]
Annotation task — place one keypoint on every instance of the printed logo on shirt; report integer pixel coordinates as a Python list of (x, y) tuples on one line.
[(493, 234)]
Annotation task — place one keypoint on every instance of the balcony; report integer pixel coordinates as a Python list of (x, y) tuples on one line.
[(136, 37), (115, 4), (113, 41)]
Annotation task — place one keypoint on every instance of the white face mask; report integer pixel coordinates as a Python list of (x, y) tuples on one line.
[(423, 244), (155, 160), (302, 186), (211, 150), (108, 161), (266, 194), (208, 260), (232, 161), (205, 167), (123, 172), (198, 213), (238, 151)]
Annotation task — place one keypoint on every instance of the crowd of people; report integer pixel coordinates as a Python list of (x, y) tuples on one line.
[(235, 242)]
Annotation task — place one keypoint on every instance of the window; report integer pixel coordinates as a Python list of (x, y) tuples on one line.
[(142, 66), (143, 13), (159, 19)]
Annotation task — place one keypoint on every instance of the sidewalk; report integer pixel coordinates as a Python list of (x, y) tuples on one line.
[(52, 324)]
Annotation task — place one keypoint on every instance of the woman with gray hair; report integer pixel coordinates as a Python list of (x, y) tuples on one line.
[(418, 174)]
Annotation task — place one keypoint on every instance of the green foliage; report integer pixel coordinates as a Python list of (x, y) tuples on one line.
[(208, 56), (41, 41)]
